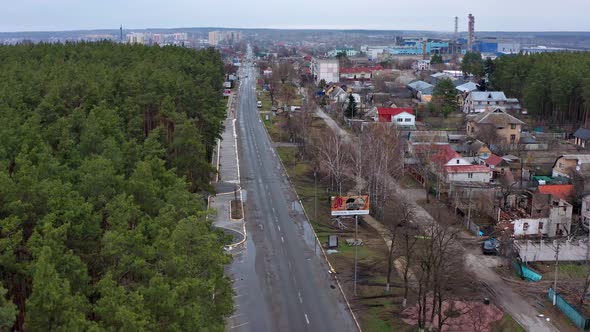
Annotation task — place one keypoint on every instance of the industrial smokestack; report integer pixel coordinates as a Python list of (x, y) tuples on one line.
[(471, 33)]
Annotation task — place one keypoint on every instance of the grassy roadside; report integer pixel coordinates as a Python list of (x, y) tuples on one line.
[(507, 324), (376, 309)]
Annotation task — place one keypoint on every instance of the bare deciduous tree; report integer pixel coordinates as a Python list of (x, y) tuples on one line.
[(284, 71), (423, 164), (396, 227), (332, 156), (382, 153), (287, 93), (300, 126), (438, 263)]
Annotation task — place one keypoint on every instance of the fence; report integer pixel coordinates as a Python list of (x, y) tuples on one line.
[(471, 226), (577, 318), (525, 272), (548, 136), (536, 147)]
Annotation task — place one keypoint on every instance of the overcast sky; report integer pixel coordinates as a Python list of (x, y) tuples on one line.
[(492, 15)]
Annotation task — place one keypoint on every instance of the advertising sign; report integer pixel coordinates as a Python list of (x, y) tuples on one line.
[(349, 205)]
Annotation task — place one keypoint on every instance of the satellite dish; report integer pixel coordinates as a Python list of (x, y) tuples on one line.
[(578, 168)]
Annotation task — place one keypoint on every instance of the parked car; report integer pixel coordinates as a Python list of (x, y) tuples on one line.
[(490, 246), (259, 104)]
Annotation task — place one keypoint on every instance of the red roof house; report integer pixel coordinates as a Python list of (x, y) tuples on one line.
[(359, 73), (387, 113), (559, 191), (444, 155)]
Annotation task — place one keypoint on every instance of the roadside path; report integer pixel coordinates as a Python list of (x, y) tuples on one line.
[(227, 184), (524, 313)]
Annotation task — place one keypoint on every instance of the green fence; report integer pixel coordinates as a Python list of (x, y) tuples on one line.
[(572, 313), (525, 272)]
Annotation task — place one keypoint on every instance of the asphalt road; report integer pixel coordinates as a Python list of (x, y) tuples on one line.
[(281, 282)]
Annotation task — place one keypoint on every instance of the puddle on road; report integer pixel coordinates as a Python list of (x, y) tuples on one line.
[(296, 207)]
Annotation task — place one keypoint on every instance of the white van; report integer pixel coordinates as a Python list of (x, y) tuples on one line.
[(259, 104)]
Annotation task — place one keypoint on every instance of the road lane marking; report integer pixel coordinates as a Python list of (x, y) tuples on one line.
[(282, 239), (233, 327), (234, 316), (306, 319), (300, 298), (279, 227)]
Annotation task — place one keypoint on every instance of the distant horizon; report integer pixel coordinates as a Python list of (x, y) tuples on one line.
[(289, 28), (383, 15)]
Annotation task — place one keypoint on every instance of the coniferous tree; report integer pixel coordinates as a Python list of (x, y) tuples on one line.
[(102, 155), (445, 97), (351, 108)]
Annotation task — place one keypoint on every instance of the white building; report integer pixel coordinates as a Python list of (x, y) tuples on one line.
[(460, 172), (373, 52), (404, 119), (216, 37), (507, 47), (482, 101), (350, 52), (327, 70), (557, 224), (421, 65), (399, 116), (136, 38)]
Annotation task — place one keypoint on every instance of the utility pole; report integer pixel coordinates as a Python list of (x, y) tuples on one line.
[(356, 250), (469, 211), (315, 208), (556, 270), (356, 217)]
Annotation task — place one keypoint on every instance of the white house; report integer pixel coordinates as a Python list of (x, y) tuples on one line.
[(399, 116), (452, 167), (468, 173), (327, 70), (482, 101)]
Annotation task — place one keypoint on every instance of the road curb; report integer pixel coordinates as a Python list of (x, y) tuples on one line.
[(228, 116), (331, 271)]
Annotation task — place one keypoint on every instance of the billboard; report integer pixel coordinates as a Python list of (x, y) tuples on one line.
[(349, 205)]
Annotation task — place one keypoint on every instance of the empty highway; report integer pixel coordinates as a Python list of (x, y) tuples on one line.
[(281, 284)]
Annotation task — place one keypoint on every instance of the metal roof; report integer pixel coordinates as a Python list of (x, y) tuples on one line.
[(488, 95), (582, 133), (467, 87), (581, 158), (420, 85), (496, 117)]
